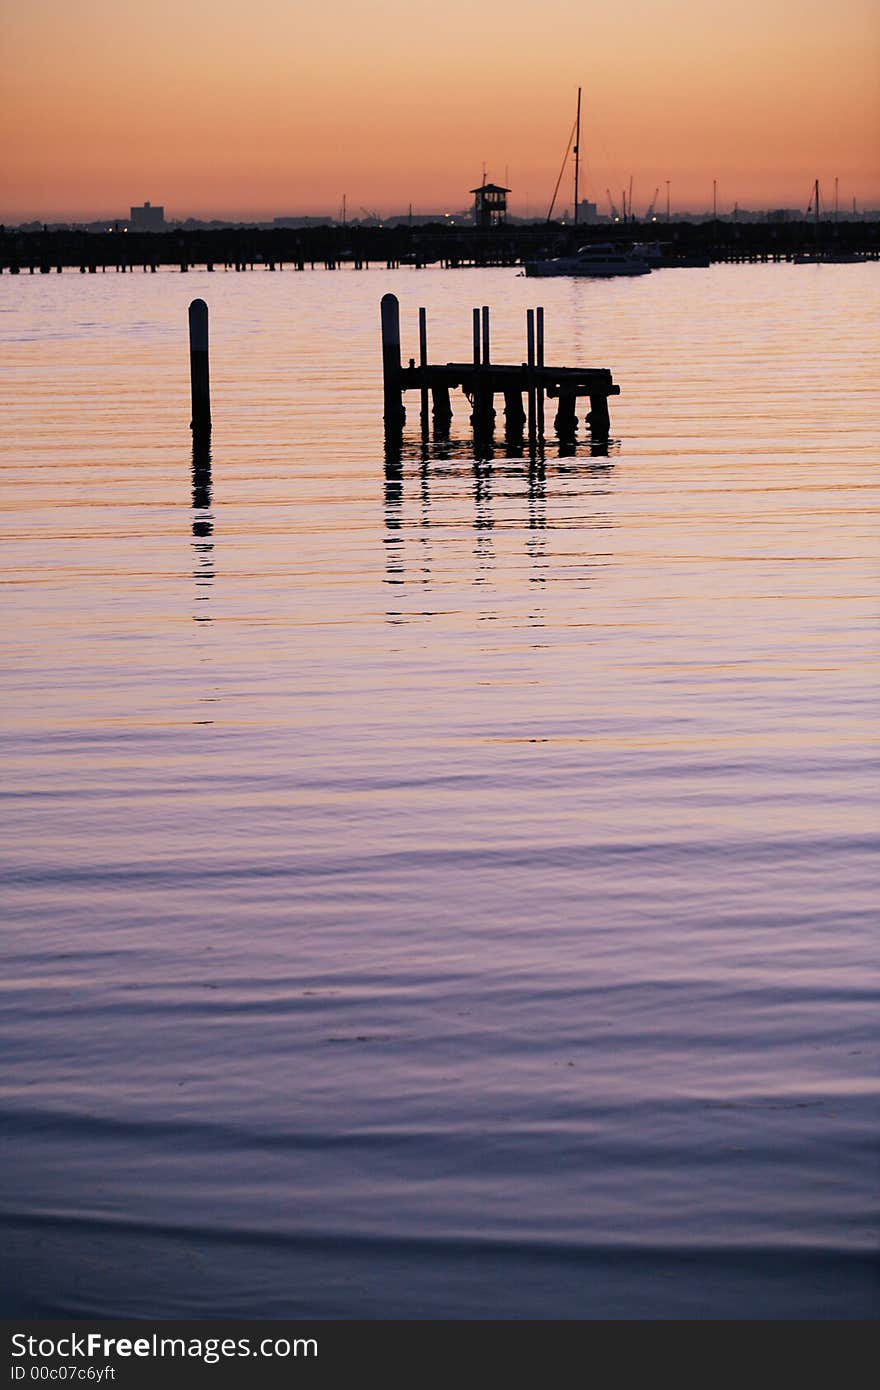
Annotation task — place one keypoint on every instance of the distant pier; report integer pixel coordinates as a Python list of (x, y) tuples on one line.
[(361, 248)]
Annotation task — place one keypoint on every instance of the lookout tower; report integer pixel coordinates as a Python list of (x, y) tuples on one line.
[(490, 205)]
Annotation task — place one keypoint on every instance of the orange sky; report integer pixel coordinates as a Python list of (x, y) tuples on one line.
[(276, 106)]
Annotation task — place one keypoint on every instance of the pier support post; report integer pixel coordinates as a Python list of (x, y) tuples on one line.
[(483, 417), (514, 415), (598, 419), (566, 418), (394, 411), (198, 368), (442, 410)]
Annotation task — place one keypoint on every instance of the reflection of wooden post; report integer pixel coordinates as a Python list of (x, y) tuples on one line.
[(394, 411), (198, 367)]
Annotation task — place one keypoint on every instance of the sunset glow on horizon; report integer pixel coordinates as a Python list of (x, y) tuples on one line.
[(218, 111)]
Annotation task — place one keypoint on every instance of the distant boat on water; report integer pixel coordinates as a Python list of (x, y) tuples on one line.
[(599, 261), (824, 255)]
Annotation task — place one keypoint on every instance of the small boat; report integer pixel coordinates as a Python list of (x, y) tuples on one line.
[(827, 255), (599, 261)]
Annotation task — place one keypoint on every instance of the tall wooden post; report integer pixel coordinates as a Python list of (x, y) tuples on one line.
[(484, 404), (539, 318), (394, 411), (530, 349), (198, 368), (423, 363)]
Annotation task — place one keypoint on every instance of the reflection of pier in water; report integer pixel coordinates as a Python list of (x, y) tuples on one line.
[(505, 493)]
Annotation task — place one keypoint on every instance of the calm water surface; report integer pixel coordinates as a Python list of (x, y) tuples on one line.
[(448, 892)]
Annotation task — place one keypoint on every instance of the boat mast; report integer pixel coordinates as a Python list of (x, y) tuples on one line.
[(577, 156)]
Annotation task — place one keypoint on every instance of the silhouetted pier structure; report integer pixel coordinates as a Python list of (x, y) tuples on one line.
[(363, 248), (482, 380)]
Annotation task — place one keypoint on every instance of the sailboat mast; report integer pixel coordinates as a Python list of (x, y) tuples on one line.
[(577, 156)]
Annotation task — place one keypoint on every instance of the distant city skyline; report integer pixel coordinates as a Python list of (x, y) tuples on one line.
[(521, 209), (283, 111), (460, 217)]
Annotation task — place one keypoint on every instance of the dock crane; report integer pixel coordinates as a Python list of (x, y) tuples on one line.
[(650, 213), (614, 212)]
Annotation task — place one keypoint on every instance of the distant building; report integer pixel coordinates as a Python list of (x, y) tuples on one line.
[(490, 205), (148, 219), (589, 212), (783, 215)]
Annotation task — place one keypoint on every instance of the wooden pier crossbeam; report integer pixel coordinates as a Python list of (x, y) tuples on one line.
[(500, 377)]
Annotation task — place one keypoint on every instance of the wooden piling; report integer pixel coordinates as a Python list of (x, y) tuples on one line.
[(476, 337), (530, 349), (514, 415), (394, 411), (423, 362), (441, 409), (566, 417), (598, 419), (539, 336), (198, 368)]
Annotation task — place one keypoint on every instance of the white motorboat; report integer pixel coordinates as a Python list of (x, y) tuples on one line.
[(599, 261)]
